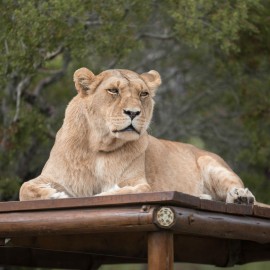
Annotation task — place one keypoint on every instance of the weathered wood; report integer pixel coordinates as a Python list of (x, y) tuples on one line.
[(160, 251), (163, 198), (208, 224), (95, 201), (239, 209), (172, 197), (213, 206), (113, 229), (185, 200), (261, 211), (76, 221)]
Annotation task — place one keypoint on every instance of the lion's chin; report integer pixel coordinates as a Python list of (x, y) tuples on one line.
[(127, 135)]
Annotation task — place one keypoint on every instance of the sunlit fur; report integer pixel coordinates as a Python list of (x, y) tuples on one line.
[(95, 154)]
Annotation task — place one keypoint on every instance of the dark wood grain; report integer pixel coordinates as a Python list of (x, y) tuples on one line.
[(185, 200), (213, 206), (261, 211), (219, 225), (239, 209)]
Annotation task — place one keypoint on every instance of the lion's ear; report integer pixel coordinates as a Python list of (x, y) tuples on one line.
[(83, 78), (152, 79)]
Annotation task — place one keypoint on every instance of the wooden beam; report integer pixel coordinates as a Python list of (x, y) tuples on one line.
[(160, 250), (219, 225), (76, 221)]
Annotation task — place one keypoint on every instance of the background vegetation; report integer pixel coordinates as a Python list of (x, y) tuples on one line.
[(213, 57)]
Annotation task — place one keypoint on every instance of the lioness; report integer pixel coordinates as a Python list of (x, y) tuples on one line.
[(103, 147)]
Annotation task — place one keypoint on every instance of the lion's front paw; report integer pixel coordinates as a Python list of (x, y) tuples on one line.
[(110, 191), (206, 197), (240, 196), (59, 195)]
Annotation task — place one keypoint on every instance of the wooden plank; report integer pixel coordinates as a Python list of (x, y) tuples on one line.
[(260, 211), (161, 198), (168, 197), (76, 221), (160, 251), (239, 209), (209, 224), (86, 202), (213, 206), (185, 200)]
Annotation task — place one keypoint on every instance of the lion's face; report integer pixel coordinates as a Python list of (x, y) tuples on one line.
[(122, 100)]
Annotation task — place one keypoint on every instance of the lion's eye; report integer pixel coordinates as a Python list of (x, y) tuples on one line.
[(113, 91), (144, 94)]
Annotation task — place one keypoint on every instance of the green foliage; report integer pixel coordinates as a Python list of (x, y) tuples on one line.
[(216, 22), (9, 188), (82, 28)]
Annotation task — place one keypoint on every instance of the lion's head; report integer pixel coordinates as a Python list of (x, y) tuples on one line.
[(119, 102)]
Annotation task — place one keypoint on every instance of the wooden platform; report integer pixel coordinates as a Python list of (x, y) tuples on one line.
[(158, 228)]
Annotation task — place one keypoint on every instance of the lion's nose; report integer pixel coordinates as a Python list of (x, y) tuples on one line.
[(132, 114)]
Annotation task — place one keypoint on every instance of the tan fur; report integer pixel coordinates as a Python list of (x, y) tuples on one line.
[(92, 155)]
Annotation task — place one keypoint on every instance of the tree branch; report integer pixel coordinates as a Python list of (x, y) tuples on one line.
[(52, 78), (156, 36), (52, 55), (6, 47), (21, 86), (91, 23)]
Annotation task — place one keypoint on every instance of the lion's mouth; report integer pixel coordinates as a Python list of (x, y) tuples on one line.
[(129, 128)]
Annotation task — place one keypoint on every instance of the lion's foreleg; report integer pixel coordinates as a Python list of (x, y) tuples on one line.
[(133, 179), (222, 182), (40, 188)]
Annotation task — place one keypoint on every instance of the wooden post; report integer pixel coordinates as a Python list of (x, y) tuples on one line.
[(160, 250)]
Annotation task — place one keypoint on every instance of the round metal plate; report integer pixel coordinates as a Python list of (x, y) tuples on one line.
[(165, 217)]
